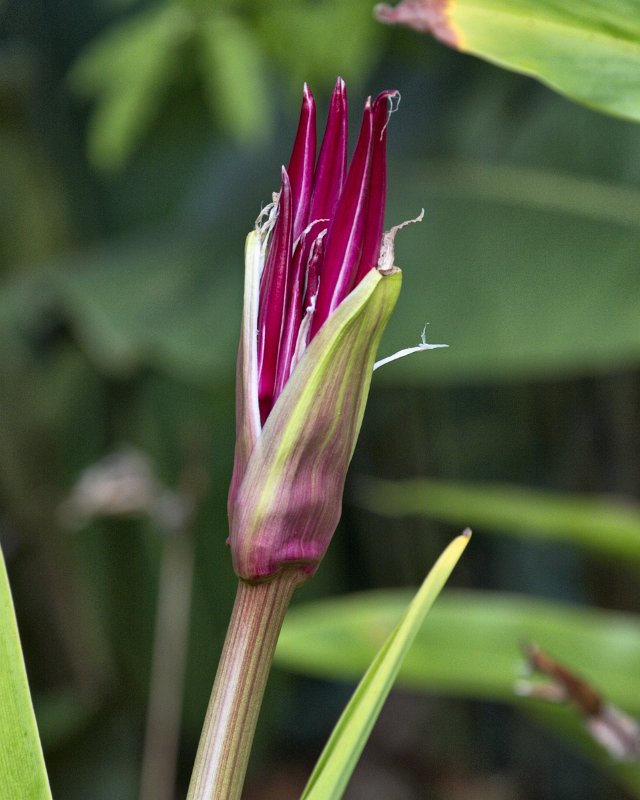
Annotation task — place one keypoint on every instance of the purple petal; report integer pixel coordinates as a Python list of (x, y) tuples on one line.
[(377, 185), (294, 305), (273, 297), (313, 271), (346, 230), (302, 162), (332, 161)]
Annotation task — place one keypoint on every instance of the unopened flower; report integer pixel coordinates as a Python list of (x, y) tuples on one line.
[(318, 296)]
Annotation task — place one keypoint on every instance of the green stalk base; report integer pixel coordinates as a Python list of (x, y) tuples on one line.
[(231, 718)]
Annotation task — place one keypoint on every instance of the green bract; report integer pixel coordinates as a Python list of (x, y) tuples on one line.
[(286, 495)]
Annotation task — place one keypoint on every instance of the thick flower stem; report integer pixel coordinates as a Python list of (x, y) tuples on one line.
[(236, 697)]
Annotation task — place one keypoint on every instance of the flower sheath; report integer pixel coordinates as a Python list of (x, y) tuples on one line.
[(317, 299)]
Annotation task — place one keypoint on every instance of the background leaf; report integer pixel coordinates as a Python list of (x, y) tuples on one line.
[(234, 75), (602, 525), (470, 645), (129, 70), (589, 51), (555, 288)]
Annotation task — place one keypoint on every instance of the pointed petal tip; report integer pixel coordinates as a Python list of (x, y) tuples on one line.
[(307, 94), (390, 96), (385, 104), (339, 97)]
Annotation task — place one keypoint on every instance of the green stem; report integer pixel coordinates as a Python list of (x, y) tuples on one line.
[(166, 689), (230, 723)]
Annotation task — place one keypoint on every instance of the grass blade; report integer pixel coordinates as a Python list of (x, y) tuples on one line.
[(22, 771), (337, 761)]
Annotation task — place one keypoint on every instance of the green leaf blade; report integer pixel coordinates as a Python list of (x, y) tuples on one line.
[(588, 51), (585, 51), (338, 759), (470, 644), (533, 299), (606, 526), (23, 774)]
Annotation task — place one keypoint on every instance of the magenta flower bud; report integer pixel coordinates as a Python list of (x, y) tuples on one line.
[(318, 295)]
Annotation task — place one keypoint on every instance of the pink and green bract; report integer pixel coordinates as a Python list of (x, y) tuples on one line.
[(327, 234)]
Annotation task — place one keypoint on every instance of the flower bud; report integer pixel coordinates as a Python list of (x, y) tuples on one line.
[(316, 303)]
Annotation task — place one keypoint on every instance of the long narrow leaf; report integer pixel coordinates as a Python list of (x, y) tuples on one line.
[(603, 525), (22, 771), (338, 759), (470, 645)]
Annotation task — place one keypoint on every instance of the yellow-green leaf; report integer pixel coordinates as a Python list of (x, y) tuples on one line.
[(588, 50), (337, 761), (22, 771)]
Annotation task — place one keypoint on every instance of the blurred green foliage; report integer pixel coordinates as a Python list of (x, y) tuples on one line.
[(230, 47), (600, 524), (138, 143)]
